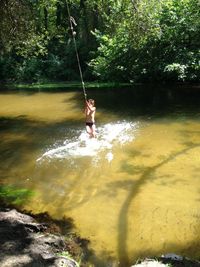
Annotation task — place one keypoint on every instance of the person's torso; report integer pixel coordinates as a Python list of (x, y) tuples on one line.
[(90, 115)]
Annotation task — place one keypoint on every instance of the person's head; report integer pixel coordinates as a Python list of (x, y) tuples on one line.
[(91, 102)]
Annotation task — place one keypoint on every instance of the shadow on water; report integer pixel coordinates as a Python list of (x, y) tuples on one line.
[(139, 100), (38, 130), (146, 100), (134, 188), (21, 140)]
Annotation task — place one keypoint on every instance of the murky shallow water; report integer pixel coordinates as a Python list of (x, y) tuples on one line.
[(133, 192)]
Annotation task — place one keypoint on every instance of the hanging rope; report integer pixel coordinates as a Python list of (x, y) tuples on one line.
[(72, 21)]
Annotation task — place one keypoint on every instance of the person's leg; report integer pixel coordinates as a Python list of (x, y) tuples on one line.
[(93, 131), (89, 130)]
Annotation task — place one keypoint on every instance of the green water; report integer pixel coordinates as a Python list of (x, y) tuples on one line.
[(143, 201)]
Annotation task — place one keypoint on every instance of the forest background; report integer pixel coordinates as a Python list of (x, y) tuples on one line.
[(117, 40)]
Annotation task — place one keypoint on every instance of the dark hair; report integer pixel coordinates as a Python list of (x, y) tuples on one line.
[(91, 101)]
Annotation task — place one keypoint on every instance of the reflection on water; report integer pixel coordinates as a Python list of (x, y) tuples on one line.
[(133, 192)]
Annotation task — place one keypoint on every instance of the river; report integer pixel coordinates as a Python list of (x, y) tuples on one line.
[(134, 191)]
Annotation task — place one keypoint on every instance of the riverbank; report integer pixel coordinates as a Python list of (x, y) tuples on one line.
[(77, 85), (64, 85), (28, 240)]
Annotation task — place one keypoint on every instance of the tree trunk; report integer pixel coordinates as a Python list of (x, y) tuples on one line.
[(58, 14), (85, 29), (45, 18)]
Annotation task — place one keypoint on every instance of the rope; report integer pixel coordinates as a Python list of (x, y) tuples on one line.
[(72, 21)]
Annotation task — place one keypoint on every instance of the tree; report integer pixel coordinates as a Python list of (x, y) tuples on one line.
[(122, 40), (16, 21), (154, 40)]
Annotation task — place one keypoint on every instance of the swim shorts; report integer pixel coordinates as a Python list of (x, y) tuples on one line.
[(90, 124)]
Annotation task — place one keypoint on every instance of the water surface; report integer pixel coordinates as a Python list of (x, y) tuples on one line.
[(134, 191)]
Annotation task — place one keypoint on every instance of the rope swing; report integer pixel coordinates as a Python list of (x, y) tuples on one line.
[(73, 22)]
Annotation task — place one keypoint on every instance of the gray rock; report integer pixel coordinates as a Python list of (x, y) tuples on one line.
[(23, 243)]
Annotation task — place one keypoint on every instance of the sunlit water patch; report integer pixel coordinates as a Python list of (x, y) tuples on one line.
[(81, 145)]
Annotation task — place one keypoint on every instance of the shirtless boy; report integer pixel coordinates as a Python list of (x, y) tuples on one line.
[(90, 110)]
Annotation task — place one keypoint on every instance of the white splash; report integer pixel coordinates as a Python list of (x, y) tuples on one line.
[(108, 135), (109, 156)]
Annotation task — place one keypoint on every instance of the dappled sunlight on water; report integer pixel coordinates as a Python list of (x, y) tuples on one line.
[(133, 192)]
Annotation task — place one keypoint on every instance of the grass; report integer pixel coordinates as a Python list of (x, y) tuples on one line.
[(12, 195)]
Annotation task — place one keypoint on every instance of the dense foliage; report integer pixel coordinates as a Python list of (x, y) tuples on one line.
[(123, 40)]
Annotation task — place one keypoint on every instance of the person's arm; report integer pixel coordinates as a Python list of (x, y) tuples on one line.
[(89, 107)]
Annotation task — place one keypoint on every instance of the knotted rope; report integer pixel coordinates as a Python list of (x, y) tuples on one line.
[(72, 21)]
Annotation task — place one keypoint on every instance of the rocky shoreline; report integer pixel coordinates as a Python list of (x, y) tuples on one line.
[(29, 243), (39, 241)]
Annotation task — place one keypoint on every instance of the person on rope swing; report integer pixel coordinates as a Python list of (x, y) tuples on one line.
[(90, 110)]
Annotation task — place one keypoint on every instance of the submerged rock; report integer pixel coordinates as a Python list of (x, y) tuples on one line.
[(24, 243)]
